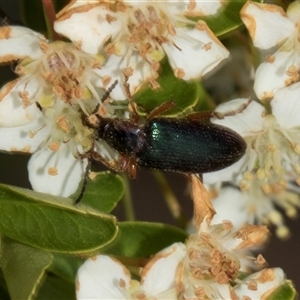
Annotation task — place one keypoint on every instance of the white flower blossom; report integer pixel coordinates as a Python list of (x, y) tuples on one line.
[(42, 111), (103, 277), (271, 162), (273, 140), (137, 35), (260, 285), (216, 255), (269, 27), (206, 266), (253, 206)]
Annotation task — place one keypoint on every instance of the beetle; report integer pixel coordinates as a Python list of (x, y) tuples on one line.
[(187, 145)]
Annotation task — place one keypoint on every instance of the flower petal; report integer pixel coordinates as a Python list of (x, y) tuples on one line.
[(278, 71), (286, 106), (158, 276), (231, 173), (57, 173), (12, 111), (102, 277), (142, 72), (194, 52), (27, 138), (88, 27), (267, 24), (204, 8), (293, 12), (231, 204), (193, 8), (247, 122), (19, 42), (266, 281)]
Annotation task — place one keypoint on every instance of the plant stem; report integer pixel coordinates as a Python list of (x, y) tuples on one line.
[(171, 199), (127, 200)]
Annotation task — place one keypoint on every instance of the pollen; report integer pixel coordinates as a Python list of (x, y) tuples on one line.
[(191, 5), (32, 134), (201, 25), (63, 123), (54, 146), (122, 283), (109, 18), (260, 260), (292, 71), (5, 32), (53, 171), (271, 148), (207, 46), (270, 58), (179, 73), (252, 285), (227, 225), (296, 147), (25, 99)]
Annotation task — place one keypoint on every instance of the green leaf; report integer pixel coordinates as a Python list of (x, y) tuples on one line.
[(23, 268), (53, 223), (103, 192), (65, 266), (184, 94), (286, 291), (55, 288), (143, 239), (226, 19)]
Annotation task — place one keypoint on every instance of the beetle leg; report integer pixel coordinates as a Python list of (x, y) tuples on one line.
[(132, 168), (201, 115), (239, 110), (120, 166), (123, 163), (206, 115), (160, 109)]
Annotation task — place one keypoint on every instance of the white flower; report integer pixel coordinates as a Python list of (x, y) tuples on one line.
[(41, 112), (217, 254), (103, 277), (260, 285), (137, 36), (215, 257), (273, 140), (253, 206), (271, 162), (270, 26)]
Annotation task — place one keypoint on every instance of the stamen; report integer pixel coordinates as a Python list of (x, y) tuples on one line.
[(53, 171)]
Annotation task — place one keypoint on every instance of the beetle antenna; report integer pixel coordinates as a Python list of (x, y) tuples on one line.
[(109, 90), (106, 95)]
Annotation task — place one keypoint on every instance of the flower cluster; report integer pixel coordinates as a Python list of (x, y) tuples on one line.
[(60, 84), (268, 173), (115, 48), (138, 35), (207, 266)]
